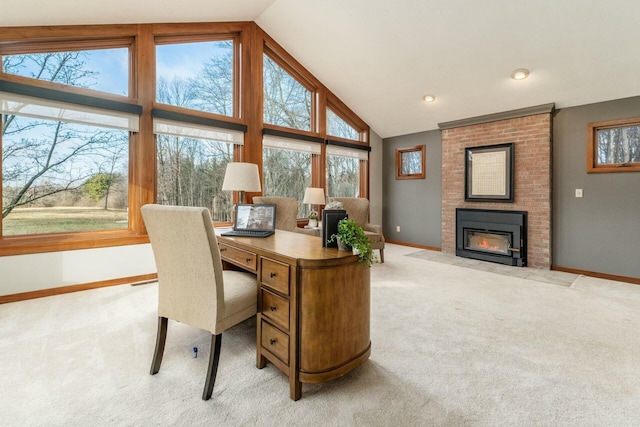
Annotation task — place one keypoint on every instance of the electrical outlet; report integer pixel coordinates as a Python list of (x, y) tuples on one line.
[(398, 228), (578, 192)]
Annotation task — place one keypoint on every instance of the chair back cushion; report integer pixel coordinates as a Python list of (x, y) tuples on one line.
[(190, 284), (286, 211), (357, 208)]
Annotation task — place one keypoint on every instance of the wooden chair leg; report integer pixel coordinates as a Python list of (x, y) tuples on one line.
[(214, 358), (381, 256), (161, 338)]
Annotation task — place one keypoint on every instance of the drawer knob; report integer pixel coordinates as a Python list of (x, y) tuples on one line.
[(272, 341), (272, 274), (247, 259), (223, 249), (272, 308)]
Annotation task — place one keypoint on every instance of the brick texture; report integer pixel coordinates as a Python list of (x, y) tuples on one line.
[(531, 136)]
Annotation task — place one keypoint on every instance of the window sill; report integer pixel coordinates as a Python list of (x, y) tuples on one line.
[(635, 167), (23, 245)]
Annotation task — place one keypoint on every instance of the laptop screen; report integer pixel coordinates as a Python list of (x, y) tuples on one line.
[(255, 217)]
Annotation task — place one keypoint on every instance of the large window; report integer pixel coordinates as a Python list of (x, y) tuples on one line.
[(60, 177), (196, 75), (343, 171), (65, 157), (98, 121), (191, 164), (286, 168), (192, 157), (286, 101)]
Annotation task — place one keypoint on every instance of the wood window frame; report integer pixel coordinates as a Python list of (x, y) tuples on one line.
[(140, 40), (293, 68), (363, 165), (592, 149), (163, 40), (38, 39), (345, 113), (399, 162), (251, 43)]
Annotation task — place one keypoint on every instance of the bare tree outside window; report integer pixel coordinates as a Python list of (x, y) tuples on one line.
[(286, 101), (286, 173), (619, 145), (198, 76), (343, 173), (336, 126), (47, 165), (191, 170), (614, 146), (343, 176), (410, 162)]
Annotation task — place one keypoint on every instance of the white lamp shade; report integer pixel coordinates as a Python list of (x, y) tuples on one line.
[(314, 196), (241, 177)]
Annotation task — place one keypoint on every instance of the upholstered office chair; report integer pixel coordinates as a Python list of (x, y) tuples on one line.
[(192, 287), (286, 213), (358, 210)]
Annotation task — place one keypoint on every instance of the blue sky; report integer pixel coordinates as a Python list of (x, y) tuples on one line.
[(182, 60)]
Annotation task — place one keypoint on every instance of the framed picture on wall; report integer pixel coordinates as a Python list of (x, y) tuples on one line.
[(488, 173)]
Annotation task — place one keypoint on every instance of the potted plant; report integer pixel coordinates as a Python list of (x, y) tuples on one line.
[(313, 219), (352, 235)]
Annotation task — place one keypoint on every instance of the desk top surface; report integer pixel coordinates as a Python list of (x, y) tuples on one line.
[(288, 244)]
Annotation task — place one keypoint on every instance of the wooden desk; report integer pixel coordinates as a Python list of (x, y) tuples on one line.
[(313, 305)]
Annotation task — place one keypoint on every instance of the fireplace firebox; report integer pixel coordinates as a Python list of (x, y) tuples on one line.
[(492, 235)]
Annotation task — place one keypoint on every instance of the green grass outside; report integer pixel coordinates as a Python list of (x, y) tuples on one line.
[(58, 220)]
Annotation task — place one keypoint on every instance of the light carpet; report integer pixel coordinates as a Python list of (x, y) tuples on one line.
[(451, 346)]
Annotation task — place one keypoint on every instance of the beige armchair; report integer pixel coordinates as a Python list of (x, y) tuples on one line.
[(286, 213), (192, 287), (358, 210)]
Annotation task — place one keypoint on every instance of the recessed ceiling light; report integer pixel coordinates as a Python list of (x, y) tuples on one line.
[(429, 98), (520, 74)]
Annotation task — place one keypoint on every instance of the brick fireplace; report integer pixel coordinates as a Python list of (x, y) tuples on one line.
[(530, 131)]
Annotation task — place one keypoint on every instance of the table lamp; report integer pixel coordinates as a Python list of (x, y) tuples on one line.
[(313, 196), (241, 177)]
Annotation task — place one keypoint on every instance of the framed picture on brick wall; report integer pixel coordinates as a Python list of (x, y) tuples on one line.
[(488, 173)]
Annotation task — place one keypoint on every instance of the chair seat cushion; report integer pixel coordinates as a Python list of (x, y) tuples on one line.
[(240, 298)]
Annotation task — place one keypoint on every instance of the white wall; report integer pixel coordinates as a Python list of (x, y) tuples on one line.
[(26, 273), (375, 178)]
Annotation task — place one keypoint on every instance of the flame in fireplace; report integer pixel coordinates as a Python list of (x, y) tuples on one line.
[(485, 245)]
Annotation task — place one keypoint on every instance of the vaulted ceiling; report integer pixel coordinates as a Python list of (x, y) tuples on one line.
[(381, 57)]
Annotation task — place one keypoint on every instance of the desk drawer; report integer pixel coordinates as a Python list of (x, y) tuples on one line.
[(239, 257), (275, 341), (275, 275), (275, 308)]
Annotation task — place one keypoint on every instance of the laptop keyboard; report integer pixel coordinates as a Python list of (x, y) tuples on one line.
[(248, 233)]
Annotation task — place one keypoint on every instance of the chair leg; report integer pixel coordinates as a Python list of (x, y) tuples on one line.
[(381, 256), (161, 338), (214, 358)]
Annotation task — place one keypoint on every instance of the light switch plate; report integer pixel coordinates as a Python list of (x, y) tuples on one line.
[(578, 192)]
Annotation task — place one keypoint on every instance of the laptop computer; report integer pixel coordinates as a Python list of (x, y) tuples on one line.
[(258, 220)]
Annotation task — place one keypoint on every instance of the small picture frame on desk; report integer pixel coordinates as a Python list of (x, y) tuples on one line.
[(330, 219)]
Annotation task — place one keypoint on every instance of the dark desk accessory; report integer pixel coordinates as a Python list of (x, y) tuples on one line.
[(330, 219)]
